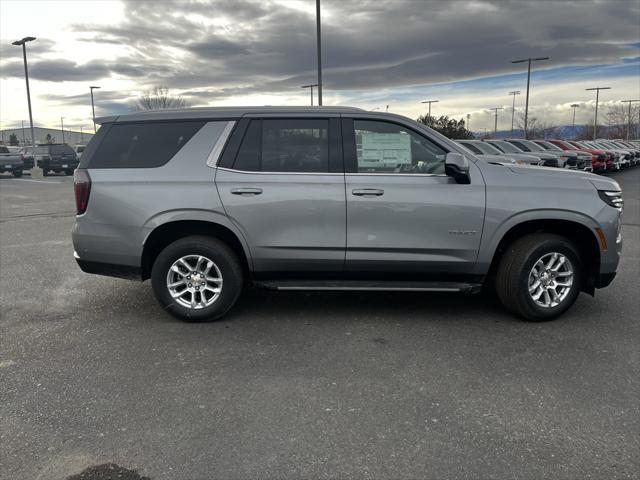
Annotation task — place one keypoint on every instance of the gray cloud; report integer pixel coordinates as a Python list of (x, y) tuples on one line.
[(264, 47)]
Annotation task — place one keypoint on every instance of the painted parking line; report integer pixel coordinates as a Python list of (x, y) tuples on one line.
[(38, 181)]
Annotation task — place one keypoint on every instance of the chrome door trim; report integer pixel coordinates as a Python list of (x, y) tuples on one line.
[(246, 172), (214, 156)]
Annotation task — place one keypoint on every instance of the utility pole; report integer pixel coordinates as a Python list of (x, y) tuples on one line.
[(495, 128), (595, 118), (35, 171), (62, 127), (311, 85), (24, 140), (573, 123), (81, 136), (513, 108), (93, 109), (468, 121), (430, 102), (526, 107), (629, 117), (319, 51)]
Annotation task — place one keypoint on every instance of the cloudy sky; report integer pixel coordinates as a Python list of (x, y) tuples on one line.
[(375, 53)]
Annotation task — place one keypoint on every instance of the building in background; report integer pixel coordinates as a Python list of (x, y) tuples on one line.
[(71, 137)]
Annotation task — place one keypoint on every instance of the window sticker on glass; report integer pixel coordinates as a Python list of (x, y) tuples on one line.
[(385, 150)]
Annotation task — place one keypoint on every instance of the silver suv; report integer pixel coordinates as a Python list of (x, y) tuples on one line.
[(205, 201)]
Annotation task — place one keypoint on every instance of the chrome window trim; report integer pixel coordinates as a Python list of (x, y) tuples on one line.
[(400, 174), (214, 156), (248, 172)]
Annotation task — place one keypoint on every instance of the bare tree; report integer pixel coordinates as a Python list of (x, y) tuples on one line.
[(159, 98), (538, 128), (617, 121)]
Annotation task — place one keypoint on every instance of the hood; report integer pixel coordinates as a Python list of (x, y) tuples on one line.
[(599, 182)]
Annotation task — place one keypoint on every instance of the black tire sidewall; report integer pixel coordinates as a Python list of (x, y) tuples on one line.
[(528, 307), (216, 251)]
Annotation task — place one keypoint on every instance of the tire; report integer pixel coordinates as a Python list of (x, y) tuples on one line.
[(17, 173), (515, 273), (226, 265)]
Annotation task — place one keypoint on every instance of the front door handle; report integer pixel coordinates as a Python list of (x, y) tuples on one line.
[(368, 192), (246, 191)]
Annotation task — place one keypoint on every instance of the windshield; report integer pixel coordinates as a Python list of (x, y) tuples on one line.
[(41, 150), (505, 146), (469, 147), (486, 148), (548, 145), (532, 146)]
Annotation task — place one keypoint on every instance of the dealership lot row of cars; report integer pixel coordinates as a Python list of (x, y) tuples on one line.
[(597, 156), (51, 157)]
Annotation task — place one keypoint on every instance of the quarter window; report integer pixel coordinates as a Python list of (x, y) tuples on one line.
[(383, 147), (287, 145)]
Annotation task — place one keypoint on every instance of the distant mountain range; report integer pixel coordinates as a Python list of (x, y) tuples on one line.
[(562, 131)]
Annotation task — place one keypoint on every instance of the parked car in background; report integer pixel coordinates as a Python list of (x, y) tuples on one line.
[(501, 159), (583, 158), (544, 159), (11, 162), (13, 148), (627, 155), (56, 157), (332, 198), (601, 161), (27, 157), (483, 148), (565, 158), (79, 149), (614, 154)]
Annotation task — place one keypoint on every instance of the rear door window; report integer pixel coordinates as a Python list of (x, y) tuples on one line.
[(285, 145), (140, 145)]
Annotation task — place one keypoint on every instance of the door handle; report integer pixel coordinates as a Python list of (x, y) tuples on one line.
[(246, 191), (368, 192)]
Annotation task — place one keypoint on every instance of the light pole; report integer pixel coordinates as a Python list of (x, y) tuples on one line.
[(35, 171), (595, 118), (526, 107), (430, 102), (93, 108), (24, 140), (629, 117), (319, 52), (468, 121), (311, 85), (573, 123), (62, 127), (81, 135), (513, 108), (495, 127)]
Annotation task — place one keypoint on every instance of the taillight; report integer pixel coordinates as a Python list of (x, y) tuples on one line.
[(82, 188)]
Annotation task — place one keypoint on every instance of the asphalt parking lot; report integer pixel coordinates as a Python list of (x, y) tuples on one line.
[(295, 385)]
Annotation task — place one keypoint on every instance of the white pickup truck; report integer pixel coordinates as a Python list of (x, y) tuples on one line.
[(11, 162)]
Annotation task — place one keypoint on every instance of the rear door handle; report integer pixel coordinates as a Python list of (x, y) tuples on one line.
[(368, 192), (246, 191)]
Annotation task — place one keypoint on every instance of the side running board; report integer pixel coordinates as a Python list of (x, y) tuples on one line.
[(369, 286)]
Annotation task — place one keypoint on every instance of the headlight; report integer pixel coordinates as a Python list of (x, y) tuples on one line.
[(612, 198)]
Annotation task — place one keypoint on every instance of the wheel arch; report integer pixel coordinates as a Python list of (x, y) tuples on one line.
[(581, 235), (165, 233)]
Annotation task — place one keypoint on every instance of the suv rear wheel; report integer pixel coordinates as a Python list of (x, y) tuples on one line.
[(539, 276), (197, 278)]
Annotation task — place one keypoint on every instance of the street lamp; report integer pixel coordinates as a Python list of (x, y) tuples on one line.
[(93, 108), (311, 85), (513, 108), (319, 52), (62, 127), (430, 102), (573, 124), (495, 128), (526, 107), (468, 121), (595, 118), (23, 43), (629, 117)]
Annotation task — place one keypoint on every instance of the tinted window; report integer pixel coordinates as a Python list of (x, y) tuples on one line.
[(383, 147), (141, 145), (288, 145), (61, 149), (520, 145), (4, 150), (471, 147)]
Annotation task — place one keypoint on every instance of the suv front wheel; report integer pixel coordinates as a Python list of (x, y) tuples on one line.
[(539, 276), (197, 278)]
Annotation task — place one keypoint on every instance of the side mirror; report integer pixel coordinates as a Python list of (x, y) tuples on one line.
[(456, 165)]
